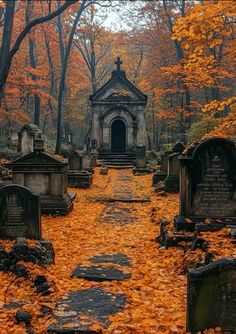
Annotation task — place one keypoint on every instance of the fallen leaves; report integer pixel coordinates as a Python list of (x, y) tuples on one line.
[(156, 293)]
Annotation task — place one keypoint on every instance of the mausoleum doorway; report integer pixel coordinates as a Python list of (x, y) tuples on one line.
[(118, 136)]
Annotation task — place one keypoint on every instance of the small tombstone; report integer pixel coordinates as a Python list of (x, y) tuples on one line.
[(19, 213), (173, 169), (161, 174), (208, 181), (87, 162), (211, 292), (75, 161), (26, 138), (76, 177), (140, 157), (104, 170)]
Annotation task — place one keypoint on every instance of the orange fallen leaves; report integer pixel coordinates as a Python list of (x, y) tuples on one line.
[(156, 292)]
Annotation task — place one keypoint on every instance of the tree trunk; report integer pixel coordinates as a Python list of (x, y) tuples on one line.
[(6, 55), (6, 40), (32, 48), (63, 77)]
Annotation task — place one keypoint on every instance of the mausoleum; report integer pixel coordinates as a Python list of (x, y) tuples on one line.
[(118, 122)]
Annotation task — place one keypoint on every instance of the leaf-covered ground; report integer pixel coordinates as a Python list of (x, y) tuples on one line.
[(156, 291)]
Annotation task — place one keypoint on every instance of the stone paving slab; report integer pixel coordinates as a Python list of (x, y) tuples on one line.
[(100, 273), (84, 308), (122, 214), (117, 258)]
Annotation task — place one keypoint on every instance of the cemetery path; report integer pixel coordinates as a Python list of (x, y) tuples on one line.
[(106, 253)]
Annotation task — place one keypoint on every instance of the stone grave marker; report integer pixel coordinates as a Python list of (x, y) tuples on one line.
[(26, 138), (211, 296), (75, 161), (87, 162), (19, 213), (161, 174), (76, 177), (140, 157), (173, 169), (208, 182), (46, 177)]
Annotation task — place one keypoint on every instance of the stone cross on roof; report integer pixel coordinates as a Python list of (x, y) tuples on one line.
[(118, 62)]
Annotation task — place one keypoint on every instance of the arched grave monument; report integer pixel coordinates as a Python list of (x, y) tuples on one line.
[(208, 181)]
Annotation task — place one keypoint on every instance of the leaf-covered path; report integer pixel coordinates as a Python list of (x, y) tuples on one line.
[(112, 229)]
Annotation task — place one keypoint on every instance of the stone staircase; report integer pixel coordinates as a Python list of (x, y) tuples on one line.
[(118, 159)]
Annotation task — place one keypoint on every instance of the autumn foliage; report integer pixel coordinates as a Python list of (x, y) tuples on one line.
[(156, 292)]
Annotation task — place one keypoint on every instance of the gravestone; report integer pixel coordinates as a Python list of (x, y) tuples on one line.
[(161, 174), (211, 292), (208, 181), (75, 161), (140, 161), (173, 169), (19, 213), (76, 177), (87, 162), (46, 177), (26, 138), (140, 157)]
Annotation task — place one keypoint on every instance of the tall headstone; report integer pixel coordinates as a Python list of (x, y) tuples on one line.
[(161, 174), (211, 292), (173, 169), (46, 177), (26, 138), (77, 177), (208, 181), (19, 213), (87, 162), (140, 157)]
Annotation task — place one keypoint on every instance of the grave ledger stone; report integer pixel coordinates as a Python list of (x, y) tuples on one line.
[(77, 177), (46, 177), (19, 213), (211, 293), (208, 181)]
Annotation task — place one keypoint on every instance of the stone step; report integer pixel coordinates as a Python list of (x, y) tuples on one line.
[(116, 158)]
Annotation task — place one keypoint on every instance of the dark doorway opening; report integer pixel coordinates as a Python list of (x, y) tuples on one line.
[(118, 136)]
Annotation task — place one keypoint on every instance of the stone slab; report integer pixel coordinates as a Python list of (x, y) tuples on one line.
[(100, 273), (117, 258), (95, 304)]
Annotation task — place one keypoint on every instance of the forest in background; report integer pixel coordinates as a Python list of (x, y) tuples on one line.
[(180, 53)]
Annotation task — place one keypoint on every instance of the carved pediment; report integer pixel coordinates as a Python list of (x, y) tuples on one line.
[(39, 158), (118, 89)]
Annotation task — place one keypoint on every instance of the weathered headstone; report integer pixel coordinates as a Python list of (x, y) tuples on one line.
[(140, 157), (208, 181), (173, 169), (161, 174), (26, 138), (104, 170), (75, 161), (76, 177), (211, 297), (46, 177), (19, 213), (87, 162)]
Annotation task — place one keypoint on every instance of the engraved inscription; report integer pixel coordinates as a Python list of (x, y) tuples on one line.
[(13, 211), (215, 192), (38, 183)]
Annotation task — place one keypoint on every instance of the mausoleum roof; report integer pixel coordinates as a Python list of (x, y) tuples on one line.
[(119, 87)]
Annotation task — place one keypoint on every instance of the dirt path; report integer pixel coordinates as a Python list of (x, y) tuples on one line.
[(112, 230)]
